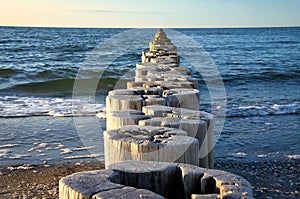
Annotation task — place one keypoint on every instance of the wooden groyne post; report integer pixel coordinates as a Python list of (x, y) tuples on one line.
[(163, 95), (155, 139), (153, 180)]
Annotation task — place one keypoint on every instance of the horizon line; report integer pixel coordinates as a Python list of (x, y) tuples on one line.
[(151, 27)]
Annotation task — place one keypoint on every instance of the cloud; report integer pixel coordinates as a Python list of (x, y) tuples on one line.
[(119, 11)]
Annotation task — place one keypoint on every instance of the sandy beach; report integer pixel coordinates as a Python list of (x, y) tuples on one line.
[(272, 179)]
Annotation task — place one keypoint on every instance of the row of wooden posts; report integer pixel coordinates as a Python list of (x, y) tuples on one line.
[(155, 135), (157, 117)]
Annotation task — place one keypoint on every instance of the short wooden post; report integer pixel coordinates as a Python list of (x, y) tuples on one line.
[(150, 144)]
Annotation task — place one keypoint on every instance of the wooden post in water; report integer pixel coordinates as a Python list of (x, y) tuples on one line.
[(157, 119), (162, 95)]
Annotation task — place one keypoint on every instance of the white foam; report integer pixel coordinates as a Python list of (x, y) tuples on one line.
[(84, 156), (262, 156), (101, 115), (57, 107), (48, 159), (24, 167), (42, 145), (31, 149), (19, 156), (4, 153), (66, 151), (84, 148), (9, 146), (239, 154), (40, 155), (59, 145), (264, 109), (295, 157)]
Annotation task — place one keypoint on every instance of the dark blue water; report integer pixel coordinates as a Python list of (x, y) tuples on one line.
[(38, 66)]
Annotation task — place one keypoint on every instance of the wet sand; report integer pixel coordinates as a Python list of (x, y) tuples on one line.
[(272, 179)]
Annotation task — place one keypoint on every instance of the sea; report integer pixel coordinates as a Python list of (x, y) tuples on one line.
[(42, 123)]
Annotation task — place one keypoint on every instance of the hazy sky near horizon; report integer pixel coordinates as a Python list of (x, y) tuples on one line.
[(154, 13)]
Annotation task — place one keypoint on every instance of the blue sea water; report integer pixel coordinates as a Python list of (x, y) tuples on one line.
[(260, 68)]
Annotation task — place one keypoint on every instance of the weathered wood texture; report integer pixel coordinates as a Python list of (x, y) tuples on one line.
[(164, 101), (118, 119), (150, 143), (140, 179), (193, 122), (183, 98), (123, 102), (173, 98), (194, 128)]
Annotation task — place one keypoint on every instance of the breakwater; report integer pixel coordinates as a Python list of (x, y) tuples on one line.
[(156, 138), (163, 95)]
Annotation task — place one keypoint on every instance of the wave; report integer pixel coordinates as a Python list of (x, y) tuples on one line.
[(69, 48), (52, 74), (242, 75), (4, 41), (15, 107), (264, 110), (286, 42), (263, 76), (51, 86), (59, 86), (7, 72)]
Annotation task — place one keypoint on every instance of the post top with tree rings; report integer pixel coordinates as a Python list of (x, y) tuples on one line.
[(154, 180)]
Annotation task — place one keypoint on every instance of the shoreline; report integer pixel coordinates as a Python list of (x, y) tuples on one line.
[(269, 179), (40, 181)]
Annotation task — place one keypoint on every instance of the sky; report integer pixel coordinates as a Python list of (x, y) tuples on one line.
[(150, 13)]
